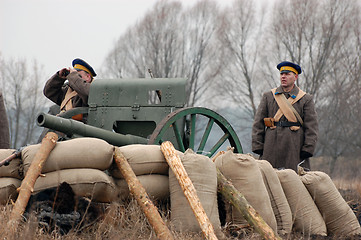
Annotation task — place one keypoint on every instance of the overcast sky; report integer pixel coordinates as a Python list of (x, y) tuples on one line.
[(54, 32)]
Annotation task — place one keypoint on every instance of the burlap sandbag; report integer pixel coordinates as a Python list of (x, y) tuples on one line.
[(15, 167), (339, 217), (75, 153), (245, 175), (156, 186), (306, 216), (281, 209), (202, 172), (143, 159), (85, 182), (8, 188)]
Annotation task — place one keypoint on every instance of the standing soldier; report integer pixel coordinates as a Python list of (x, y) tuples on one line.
[(4, 125), (285, 127)]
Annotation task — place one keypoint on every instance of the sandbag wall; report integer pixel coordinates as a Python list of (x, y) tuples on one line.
[(81, 163), (10, 177), (243, 171), (203, 174), (150, 167), (309, 203)]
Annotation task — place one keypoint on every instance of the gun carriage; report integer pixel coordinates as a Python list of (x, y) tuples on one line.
[(145, 111)]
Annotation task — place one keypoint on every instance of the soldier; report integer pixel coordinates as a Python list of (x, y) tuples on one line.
[(285, 127), (75, 92), (69, 88), (4, 126)]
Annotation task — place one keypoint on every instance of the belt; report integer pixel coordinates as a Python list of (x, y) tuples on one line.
[(287, 124)]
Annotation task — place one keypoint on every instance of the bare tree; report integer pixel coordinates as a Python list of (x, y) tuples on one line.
[(240, 36), (172, 42), (339, 112), (22, 94), (199, 62)]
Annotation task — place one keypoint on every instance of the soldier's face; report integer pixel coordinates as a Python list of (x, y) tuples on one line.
[(86, 76), (288, 80)]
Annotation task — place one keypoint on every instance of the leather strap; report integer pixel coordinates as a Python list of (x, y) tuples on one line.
[(286, 108), (67, 104)]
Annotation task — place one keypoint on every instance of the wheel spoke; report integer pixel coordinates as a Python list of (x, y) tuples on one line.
[(192, 131), (178, 136), (218, 144), (205, 135), (183, 122)]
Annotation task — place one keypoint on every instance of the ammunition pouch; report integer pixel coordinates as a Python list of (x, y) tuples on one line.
[(269, 122)]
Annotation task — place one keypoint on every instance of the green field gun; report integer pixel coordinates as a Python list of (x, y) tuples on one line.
[(145, 111)]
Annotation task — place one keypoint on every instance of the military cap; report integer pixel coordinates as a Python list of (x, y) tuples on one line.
[(80, 64), (289, 67)]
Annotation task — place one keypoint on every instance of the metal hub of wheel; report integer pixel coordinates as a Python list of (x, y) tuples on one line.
[(182, 126)]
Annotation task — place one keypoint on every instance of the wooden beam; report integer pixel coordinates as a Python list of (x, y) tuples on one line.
[(138, 191), (27, 186), (188, 188), (237, 199)]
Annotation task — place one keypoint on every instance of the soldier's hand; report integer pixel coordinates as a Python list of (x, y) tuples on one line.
[(64, 72), (305, 155)]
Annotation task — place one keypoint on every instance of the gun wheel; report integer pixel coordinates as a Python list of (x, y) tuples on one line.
[(200, 129)]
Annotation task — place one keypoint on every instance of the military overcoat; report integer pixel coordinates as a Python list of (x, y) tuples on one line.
[(4, 125), (55, 89), (281, 146)]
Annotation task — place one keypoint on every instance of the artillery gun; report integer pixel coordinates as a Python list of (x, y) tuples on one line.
[(145, 111)]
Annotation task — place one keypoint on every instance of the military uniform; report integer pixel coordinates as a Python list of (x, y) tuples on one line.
[(281, 146), (56, 91), (4, 126), (74, 93)]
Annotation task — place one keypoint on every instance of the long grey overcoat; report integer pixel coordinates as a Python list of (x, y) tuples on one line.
[(281, 146), (4, 126)]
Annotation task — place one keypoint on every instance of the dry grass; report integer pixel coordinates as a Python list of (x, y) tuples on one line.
[(119, 221), (126, 220)]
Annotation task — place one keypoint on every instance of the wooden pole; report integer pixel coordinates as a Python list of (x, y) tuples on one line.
[(237, 199), (27, 185), (188, 188), (136, 188)]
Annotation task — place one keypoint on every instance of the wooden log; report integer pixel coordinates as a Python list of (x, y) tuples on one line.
[(188, 188), (237, 199), (138, 191), (27, 186)]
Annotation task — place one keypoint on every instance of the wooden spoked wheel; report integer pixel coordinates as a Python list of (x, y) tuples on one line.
[(200, 129)]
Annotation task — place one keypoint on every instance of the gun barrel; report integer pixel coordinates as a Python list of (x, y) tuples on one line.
[(71, 127)]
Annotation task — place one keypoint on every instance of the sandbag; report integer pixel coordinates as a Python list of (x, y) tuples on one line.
[(8, 190), (75, 153), (203, 174), (85, 182), (245, 175), (280, 207), (156, 186), (143, 159), (14, 169), (339, 218), (306, 216)]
